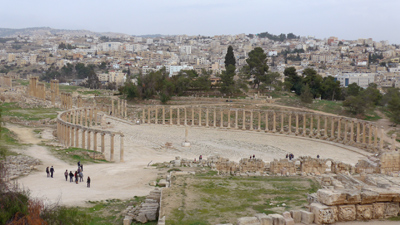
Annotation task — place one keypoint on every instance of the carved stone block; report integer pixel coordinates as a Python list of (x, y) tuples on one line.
[(365, 212), (379, 210), (323, 214), (347, 212)]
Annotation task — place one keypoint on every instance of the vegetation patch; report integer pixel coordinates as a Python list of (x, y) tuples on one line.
[(13, 110), (73, 155), (205, 199)]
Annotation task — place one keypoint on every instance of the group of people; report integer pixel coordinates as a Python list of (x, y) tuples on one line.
[(289, 156), (254, 156), (78, 173), (50, 171)]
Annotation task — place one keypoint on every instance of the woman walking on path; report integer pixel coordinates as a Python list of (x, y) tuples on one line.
[(80, 177), (48, 172), (66, 175), (88, 182), (71, 177), (76, 177)]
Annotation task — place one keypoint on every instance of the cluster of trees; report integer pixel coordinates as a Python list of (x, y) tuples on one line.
[(281, 37), (158, 84), (65, 46)]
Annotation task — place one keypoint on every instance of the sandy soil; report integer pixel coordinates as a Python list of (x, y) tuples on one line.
[(146, 143)]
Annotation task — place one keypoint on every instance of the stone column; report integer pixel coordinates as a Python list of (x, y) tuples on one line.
[(326, 127), (185, 116), (274, 123), (207, 125), (178, 117), (72, 136), (149, 115), (358, 132), (311, 125), (346, 124), (244, 120), (236, 119), (393, 147), (76, 137), (95, 141), (88, 139), (163, 115), (282, 122), (363, 133), (222, 118), (121, 151), (102, 143), (266, 121), (126, 108), (369, 134), (112, 147), (192, 116), (215, 117), (81, 116), (297, 124), (143, 116), (229, 118), (83, 138), (332, 128), (68, 132), (318, 126), (339, 129), (251, 119), (95, 116), (170, 115), (119, 107), (290, 123), (352, 131), (200, 116), (112, 107), (86, 121), (156, 122), (381, 140)]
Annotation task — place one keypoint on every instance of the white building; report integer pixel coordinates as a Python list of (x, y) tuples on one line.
[(361, 79), (173, 70), (109, 46)]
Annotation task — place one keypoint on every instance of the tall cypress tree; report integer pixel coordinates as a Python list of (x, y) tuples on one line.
[(230, 57)]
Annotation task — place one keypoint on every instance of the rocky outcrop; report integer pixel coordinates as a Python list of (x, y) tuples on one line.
[(19, 166)]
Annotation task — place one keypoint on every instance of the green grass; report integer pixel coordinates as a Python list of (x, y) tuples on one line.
[(73, 155), (8, 138), (396, 218), (68, 88), (13, 110), (22, 82), (94, 92), (213, 199)]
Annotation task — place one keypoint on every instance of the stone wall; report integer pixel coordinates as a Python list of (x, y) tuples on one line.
[(146, 211)]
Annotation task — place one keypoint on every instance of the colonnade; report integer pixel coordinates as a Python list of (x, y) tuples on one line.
[(75, 129), (343, 130), (66, 100)]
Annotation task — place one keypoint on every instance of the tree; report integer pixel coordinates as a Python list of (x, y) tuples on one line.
[(353, 89), (227, 85), (293, 81), (306, 95), (313, 80), (355, 104), (330, 89), (256, 67), (230, 57), (92, 81), (394, 108)]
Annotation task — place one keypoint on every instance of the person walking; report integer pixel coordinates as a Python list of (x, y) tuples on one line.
[(80, 177), (71, 177), (88, 182), (52, 171), (79, 164), (48, 172), (66, 175), (76, 177), (82, 167)]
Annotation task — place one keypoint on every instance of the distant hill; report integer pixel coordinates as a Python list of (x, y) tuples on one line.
[(9, 32)]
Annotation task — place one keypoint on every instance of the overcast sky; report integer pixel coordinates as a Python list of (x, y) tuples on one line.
[(346, 19)]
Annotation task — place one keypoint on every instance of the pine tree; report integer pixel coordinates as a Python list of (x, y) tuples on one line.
[(230, 57)]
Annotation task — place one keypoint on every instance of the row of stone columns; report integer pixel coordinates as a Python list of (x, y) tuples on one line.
[(66, 101), (340, 129), (70, 126), (120, 110)]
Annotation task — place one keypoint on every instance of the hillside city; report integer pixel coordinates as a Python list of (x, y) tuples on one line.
[(362, 61)]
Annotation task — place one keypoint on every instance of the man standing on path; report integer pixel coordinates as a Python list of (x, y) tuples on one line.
[(88, 182), (71, 176), (48, 172), (52, 171), (66, 175)]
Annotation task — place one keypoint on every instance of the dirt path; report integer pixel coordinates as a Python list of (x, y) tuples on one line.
[(109, 180)]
